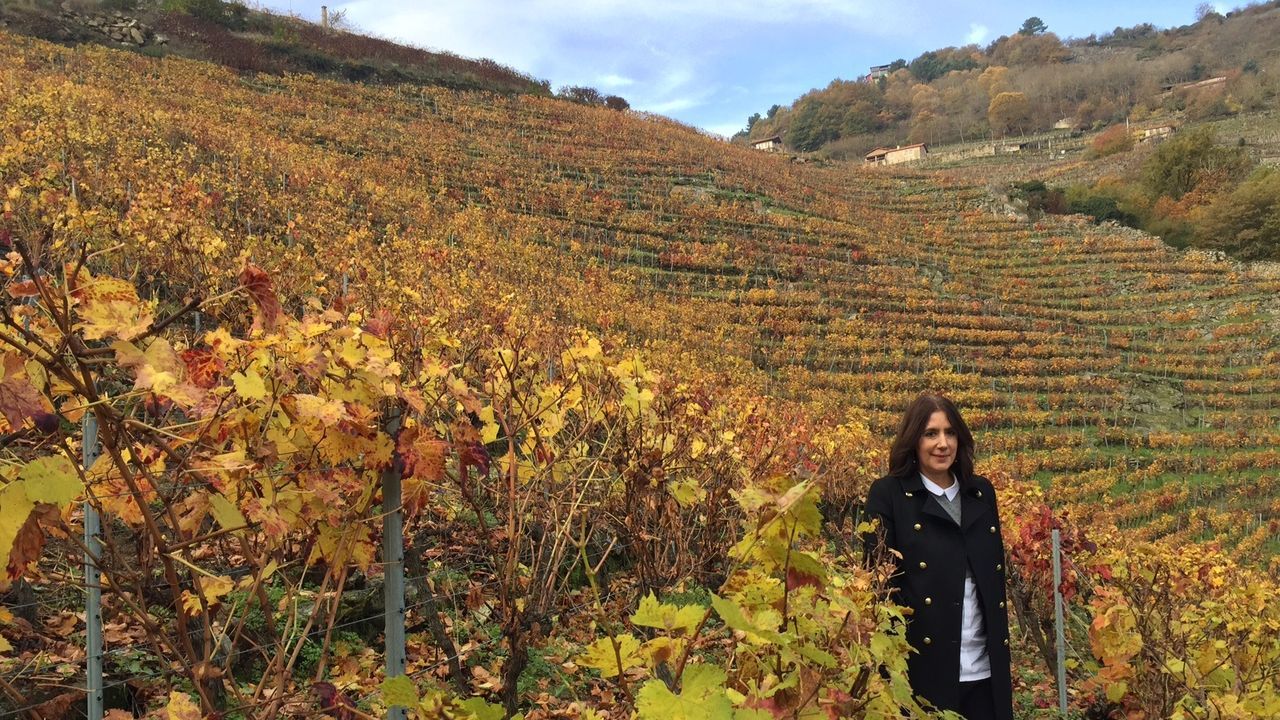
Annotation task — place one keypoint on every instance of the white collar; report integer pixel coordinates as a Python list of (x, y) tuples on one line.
[(933, 487)]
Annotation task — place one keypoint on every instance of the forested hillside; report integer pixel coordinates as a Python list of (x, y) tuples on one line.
[(1031, 80), (632, 382)]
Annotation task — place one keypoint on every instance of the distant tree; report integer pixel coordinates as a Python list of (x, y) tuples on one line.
[(1206, 11), (613, 102), (1020, 49), (773, 110), (897, 65), (581, 94), (815, 124), (1246, 221), (1193, 160), (1009, 111), (1032, 26), (751, 121), (994, 80), (933, 64)]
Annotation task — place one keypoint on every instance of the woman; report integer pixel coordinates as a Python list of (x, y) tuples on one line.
[(942, 520)]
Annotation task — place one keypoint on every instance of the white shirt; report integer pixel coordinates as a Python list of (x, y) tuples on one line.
[(974, 662)]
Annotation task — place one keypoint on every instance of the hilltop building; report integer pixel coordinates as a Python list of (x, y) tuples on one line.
[(899, 154), (769, 144), (877, 72)]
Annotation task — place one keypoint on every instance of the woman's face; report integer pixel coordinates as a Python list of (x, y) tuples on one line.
[(936, 449)]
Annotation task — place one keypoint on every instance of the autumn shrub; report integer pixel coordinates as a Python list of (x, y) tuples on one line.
[(1115, 139), (798, 631), (1184, 632)]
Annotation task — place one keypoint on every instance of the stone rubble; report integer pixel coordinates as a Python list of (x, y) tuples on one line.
[(116, 26)]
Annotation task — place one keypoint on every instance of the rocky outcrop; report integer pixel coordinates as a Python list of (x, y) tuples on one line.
[(116, 26)]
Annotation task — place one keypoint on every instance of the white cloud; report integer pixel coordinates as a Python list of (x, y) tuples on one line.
[(664, 56), (977, 34), (613, 80), (724, 129)]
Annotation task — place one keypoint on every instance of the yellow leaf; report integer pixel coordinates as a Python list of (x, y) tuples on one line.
[(326, 412), (602, 655), (671, 618), (226, 513), (159, 370), (181, 707), (52, 479), (687, 492), (249, 385), (215, 587), (109, 307)]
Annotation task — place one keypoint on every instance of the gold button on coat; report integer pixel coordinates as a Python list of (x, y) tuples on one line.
[(928, 601), (923, 565), (1001, 603), (928, 641), (1006, 642), (917, 526), (999, 567), (909, 494), (979, 493), (993, 529)]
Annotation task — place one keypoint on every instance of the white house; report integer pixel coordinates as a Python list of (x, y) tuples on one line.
[(770, 144)]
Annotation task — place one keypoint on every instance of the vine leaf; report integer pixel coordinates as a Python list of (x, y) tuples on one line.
[(51, 481), (702, 697), (399, 690), (601, 656), (258, 283), (226, 513), (19, 398), (671, 618), (181, 707), (110, 307)]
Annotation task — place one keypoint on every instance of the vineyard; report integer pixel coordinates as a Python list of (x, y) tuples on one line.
[(633, 383)]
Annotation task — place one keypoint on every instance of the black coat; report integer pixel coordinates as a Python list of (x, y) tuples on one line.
[(935, 552)]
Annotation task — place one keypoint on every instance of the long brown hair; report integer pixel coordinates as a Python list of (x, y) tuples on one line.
[(902, 455)]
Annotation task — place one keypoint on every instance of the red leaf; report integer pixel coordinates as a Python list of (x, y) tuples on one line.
[(19, 399), (25, 289), (26, 547), (475, 454), (258, 283), (335, 703), (380, 323), (796, 579), (203, 367)]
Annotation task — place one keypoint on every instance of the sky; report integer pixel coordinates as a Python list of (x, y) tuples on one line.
[(713, 64)]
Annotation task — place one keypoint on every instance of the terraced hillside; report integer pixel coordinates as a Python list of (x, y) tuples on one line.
[(590, 343), (1137, 384)]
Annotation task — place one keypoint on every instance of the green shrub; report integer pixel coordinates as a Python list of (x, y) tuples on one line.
[(232, 15), (1100, 204), (1191, 159)]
